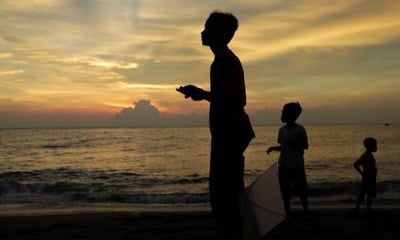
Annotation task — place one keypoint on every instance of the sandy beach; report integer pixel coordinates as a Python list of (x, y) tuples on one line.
[(158, 222)]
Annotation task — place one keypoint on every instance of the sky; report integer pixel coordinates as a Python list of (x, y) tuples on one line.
[(93, 63)]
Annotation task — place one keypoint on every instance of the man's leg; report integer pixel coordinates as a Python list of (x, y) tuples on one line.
[(225, 184)]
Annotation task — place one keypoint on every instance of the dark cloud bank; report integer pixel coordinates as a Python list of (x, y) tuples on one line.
[(144, 114)]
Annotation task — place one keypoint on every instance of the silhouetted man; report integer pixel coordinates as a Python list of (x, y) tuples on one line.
[(230, 126)]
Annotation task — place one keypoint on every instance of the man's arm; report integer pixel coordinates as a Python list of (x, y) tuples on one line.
[(194, 92)]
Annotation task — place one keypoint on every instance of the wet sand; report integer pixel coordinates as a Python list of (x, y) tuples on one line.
[(126, 222)]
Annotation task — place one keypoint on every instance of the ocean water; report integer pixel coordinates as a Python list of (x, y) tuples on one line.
[(170, 165)]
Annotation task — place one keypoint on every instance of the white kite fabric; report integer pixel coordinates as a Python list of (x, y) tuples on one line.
[(261, 205)]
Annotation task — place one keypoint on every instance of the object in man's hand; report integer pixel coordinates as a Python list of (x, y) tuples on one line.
[(186, 90)]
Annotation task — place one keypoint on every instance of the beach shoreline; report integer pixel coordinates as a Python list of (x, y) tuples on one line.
[(15, 210), (127, 221)]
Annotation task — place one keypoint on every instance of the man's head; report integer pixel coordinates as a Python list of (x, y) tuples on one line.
[(290, 112), (219, 29)]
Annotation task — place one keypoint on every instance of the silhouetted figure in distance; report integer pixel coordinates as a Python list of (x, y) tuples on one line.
[(230, 127), (366, 166), (293, 140)]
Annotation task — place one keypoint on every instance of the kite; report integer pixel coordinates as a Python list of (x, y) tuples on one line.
[(261, 205)]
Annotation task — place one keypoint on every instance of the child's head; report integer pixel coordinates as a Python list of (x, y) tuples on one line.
[(290, 112), (370, 144), (219, 29)]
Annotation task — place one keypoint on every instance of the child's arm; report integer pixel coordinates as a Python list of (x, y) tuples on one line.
[(305, 141), (356, 165), (274, 148)]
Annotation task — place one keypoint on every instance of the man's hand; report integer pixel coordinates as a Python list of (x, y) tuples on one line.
[(193, 92)]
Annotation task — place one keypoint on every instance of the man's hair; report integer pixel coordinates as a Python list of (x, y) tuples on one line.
[(370, 142), (293, 109), (226, 23)]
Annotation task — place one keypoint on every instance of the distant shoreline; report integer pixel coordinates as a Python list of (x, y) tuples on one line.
[(192, 126)]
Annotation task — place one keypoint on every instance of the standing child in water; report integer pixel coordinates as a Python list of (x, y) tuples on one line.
[(366, 166), (293, 140)]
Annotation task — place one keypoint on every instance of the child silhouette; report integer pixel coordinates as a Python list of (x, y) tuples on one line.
[(366, 166), (293, 140)]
